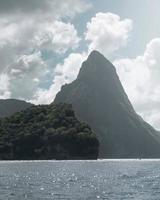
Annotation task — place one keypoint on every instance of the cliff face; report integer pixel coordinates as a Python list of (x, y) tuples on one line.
[(46, 132), (99, 99), (11, 106)]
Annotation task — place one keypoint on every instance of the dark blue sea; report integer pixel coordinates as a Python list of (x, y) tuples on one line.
[(102, 179)]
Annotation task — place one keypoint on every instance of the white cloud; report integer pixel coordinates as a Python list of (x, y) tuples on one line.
[(22, 67), (23, 37), (4, 84), (70, 67), (140, 78), (64, 73), (22, 77), (28, 27), (56, 36), (106, 32)]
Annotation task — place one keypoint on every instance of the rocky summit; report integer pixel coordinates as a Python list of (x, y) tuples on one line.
[(99, 99)]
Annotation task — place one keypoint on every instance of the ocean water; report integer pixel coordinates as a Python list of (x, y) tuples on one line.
[(102, 179)]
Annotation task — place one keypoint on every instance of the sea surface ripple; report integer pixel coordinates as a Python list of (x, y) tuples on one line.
[(80, 180)]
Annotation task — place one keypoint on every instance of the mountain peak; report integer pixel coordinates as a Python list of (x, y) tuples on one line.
[(97, 56), (96, 64), (99, 99), (95, 53)]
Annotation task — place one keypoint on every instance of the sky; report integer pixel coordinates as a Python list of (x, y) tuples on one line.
[(44, 42)]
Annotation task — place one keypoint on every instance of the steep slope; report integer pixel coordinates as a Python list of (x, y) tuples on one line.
[(100, 100), (46, 132), (10, 106)]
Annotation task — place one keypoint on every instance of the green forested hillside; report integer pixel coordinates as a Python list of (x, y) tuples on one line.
[(46, 132)]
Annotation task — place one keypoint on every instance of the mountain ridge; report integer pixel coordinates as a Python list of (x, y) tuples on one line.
[(11, 106), (99, 99)]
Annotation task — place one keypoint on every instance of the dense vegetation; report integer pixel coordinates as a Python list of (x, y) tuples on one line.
[(46, 132)]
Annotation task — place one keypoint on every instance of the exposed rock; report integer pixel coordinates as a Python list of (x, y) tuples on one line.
[(99, 99)]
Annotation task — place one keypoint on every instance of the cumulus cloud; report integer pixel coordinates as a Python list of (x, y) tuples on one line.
[(24, 40), (140, 78), (28, 27), (64, 73), (25, 74), (106, 32), (57, 36), (22, 37)]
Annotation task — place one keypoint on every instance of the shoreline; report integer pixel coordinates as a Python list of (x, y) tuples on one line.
[(99, 160)]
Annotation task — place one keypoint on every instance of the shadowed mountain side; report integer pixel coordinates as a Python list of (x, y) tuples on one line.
[(11, 106), (99, 99)]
